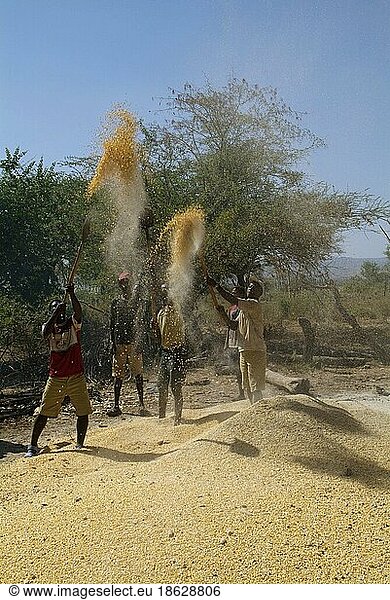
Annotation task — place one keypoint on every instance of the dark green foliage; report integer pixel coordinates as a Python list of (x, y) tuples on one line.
[(23, 353), (41, 216)]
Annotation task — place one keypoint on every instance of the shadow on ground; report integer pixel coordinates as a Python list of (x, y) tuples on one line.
[(336, 417), (237, 446), (338, 461), (117, 455), (11, 448)]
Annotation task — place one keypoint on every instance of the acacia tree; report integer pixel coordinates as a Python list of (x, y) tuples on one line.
[(236, 152)]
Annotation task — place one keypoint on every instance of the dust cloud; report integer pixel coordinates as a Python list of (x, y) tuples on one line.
[(118, 171)]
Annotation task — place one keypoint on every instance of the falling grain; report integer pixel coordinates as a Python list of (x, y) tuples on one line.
[(118, 170), (186, 235), (120, 159)]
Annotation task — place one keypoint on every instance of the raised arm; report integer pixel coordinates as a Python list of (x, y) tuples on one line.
[(221, 291), (77, 311)]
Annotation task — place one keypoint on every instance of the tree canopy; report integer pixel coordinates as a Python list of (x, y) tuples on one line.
[(41, 216), (237, 152)]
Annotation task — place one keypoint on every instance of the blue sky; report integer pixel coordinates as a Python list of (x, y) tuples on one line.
[(64, 64)]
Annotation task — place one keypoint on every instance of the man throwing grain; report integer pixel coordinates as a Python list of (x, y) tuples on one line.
[(232, 342), (125, 348), (252, 349), (66, 371), (170, 331)]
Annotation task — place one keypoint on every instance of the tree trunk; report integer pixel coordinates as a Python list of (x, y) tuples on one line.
[(293, 385), (364, 336), (309, 335)]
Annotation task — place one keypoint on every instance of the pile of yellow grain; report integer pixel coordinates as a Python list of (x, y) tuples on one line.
[(290, 490)]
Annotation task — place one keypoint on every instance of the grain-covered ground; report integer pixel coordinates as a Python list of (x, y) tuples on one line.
[(292, 490)]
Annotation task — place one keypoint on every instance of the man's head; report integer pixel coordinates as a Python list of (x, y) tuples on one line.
[(255, 289), (238, 291), (54, 306), (123, 280), (164, 293)]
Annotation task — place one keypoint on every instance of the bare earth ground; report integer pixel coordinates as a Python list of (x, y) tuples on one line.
[(204, 388), (292, 490)]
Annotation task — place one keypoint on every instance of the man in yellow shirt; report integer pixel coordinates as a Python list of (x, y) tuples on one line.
[(173, 368)]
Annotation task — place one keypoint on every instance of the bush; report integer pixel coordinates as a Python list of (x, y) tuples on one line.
[(22, 350), (312, 304)]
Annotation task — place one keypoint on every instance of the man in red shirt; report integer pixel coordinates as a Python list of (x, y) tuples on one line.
[(66, 371)]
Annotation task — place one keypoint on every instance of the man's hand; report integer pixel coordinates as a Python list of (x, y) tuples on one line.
[(210, 280), (223, 314)]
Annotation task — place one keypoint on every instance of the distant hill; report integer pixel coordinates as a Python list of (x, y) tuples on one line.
[(343, 267)]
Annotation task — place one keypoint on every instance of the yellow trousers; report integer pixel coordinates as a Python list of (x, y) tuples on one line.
[(252, 367), (58, 387)]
